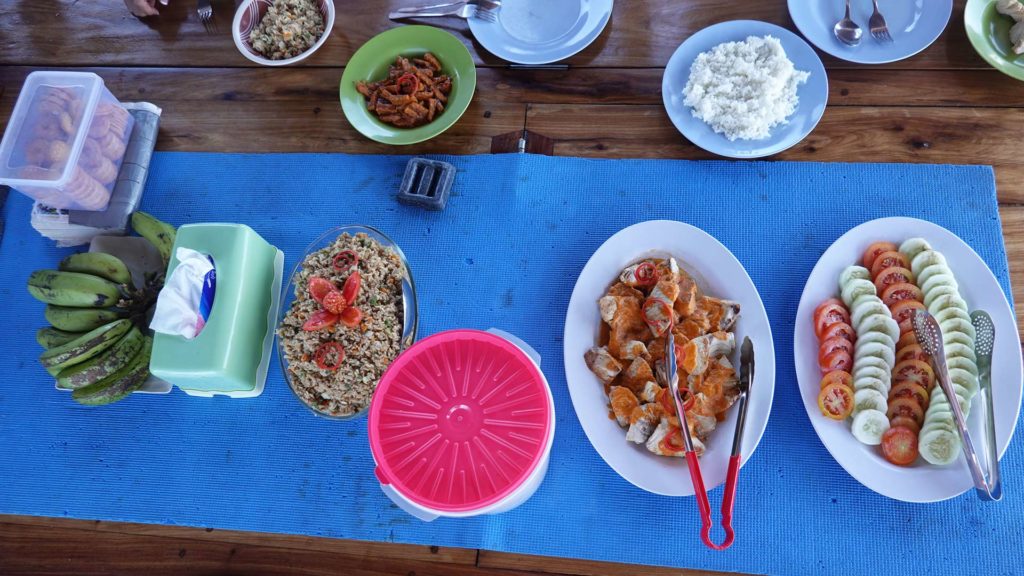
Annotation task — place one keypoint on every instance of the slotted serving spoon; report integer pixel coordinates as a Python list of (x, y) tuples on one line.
[(929, 335), (984, 343)]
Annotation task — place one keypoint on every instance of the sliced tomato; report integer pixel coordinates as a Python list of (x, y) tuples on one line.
[(319, 320), (907, 339), (320, 287), (904, 309), (888, 259), (905, 406), (831, 345), (837, 377), (837, 360), (836, 401), (351, 317), (874, 250), (908, 389), (899, 445), (912, 352), (914, 371), (899, 292), (892, 275), (334, 302), (351, 288), (839, 330), (828, 313), (906, 422), (907, 326)]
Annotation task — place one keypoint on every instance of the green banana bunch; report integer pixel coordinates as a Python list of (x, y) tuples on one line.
[(51, 337), (160, 234), (73, 289), (71, 319), (98, 264), (104, 365), (86, 346), (121, 383)]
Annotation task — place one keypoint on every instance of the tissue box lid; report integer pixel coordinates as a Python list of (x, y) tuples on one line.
[(226, 356)]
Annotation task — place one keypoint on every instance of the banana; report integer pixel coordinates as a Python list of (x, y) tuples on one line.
[(86, 346), (160, 234), (52, 337), (73, 289), (79, 319), (104, 365), (120, 384), (98, 264)]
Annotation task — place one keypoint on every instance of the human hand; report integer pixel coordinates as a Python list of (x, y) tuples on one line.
[(143, 8)]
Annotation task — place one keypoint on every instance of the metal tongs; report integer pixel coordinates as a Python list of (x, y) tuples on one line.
[(929, 335), (729, 498)]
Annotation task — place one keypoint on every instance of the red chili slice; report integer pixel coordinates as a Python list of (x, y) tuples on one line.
[(323, 356), (350, 291), (346, 260), (658, 316), (646, 274), (673, 442), (408, 83)]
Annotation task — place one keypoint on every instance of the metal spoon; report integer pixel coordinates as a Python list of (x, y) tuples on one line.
[(846, 30)]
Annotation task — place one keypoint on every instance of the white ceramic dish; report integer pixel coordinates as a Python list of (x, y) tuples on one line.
[(248, 15), (541, 31), (921, 482), (718, 273)]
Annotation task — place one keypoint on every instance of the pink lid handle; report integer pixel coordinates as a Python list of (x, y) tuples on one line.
[(705, 506)]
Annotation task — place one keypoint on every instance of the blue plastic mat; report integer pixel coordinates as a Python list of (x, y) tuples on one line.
[(505, 253)]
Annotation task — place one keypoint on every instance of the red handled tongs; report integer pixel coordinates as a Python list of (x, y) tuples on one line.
[(745, 380)]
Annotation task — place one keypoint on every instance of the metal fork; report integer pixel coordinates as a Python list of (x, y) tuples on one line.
[(877, 25), (486, 10), (205, 12)]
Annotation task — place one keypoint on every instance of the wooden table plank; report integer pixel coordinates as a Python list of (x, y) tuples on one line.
[(640, 34), (845, 134), (553, 565)]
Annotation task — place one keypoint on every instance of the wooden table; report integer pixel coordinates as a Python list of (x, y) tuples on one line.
[(942, 106)]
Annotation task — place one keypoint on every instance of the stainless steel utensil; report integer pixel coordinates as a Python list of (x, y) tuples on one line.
[(929, 335), (483, 9), (846, 30), (984, 343), (877, 25), (205, 12)]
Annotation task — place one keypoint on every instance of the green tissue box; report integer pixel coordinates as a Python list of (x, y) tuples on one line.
[(231, 354)]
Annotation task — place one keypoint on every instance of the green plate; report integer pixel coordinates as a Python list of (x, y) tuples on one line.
[(371, 62), (989, 32)]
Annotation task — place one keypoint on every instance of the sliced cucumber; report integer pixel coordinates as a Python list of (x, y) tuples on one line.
[(959, 325), (877, 350), (872, 371), (864, 306), (914, 246), (961, 377), (875, 336), (931, 426), (937, 281), (939, 447), (962, 350), (871, 383), (924, 259), (932, 270), (949, 314), (855, 288), (851, 273), (961, 363), (938, 411), (956, 338), (879, 323), (869, 399), (946, 301), (869, 425)]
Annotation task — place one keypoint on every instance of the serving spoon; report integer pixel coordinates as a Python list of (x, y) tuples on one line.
[(846, 30)]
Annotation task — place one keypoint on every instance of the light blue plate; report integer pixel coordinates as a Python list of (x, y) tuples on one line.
[(913, 25), (813, 94), (542, 31)]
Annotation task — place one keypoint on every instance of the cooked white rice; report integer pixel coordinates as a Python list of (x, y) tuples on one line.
[(744, 89)]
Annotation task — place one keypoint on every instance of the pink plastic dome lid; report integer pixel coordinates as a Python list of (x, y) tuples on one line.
[(459, 421)]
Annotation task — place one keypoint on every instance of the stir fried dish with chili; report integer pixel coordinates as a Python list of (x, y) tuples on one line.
[(413, 93), (651, 301)]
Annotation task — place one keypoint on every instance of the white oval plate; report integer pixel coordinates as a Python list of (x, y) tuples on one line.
[(921, 482), (719, 274), (542, 31)]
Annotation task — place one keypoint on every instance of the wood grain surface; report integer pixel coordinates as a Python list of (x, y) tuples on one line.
[(944, 105)]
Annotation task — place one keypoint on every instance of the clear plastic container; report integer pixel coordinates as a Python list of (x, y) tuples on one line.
[(66, 140)]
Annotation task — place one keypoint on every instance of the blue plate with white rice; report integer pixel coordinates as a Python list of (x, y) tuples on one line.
[(745, 89)]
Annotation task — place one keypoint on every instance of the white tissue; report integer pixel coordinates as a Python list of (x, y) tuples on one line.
[(177, 306)]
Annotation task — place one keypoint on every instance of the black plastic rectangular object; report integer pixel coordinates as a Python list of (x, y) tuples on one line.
[(426, 183)]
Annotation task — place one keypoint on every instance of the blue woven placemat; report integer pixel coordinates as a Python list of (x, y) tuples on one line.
[(505, 253)]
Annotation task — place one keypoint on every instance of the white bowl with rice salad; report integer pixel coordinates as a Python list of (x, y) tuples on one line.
[(281, 32), (348, 311)]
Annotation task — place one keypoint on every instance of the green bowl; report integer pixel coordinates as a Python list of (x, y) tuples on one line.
[(371, 62), (989, 32)]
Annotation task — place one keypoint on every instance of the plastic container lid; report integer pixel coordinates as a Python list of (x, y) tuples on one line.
[(459, 421)]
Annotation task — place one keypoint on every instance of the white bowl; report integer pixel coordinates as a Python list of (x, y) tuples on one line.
[(248, 15)]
